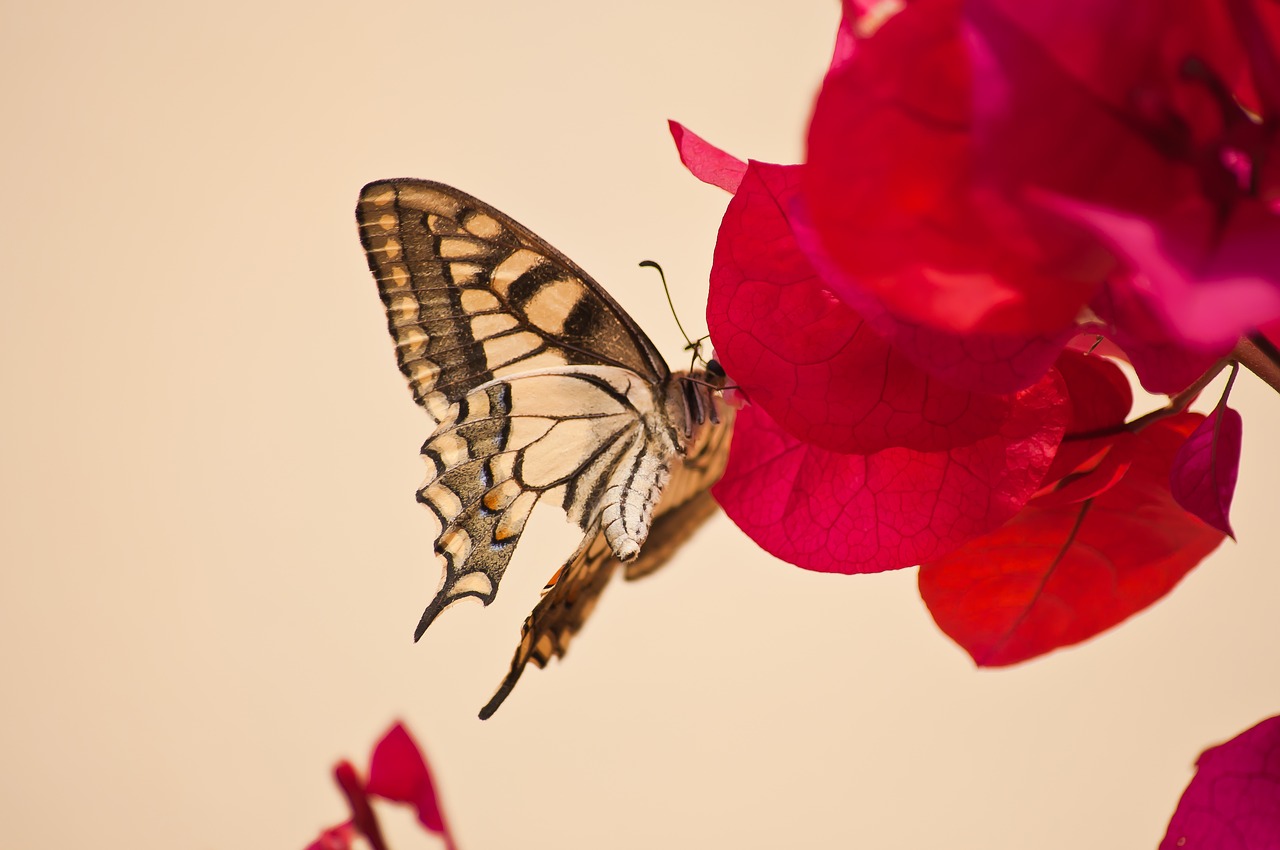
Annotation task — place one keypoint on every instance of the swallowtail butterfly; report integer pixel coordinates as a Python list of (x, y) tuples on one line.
[(539, 387)]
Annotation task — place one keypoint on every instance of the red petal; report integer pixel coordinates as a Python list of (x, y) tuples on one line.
[(981, 362), (1100, 400), (1114, 53), (1233, 802), (856, 513), (1271, 332), (1093, 478), (398, 771), (1131, 146), (1204, 470), (1045, 102), (1057, 575), (706, 161), (807, 358), (890, 158)]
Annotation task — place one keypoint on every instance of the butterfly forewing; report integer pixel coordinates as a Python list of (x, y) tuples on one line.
[(471, 295)]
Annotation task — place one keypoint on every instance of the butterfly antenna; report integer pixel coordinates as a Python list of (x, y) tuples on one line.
[(696, 348), (650, 264)]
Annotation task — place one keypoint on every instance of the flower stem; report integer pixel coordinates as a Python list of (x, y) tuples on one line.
[(362, 816), (1259, 356), (1179, 403)]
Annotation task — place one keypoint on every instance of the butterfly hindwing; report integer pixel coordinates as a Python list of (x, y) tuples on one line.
[(471, 295), (573, 591), (507, 444)]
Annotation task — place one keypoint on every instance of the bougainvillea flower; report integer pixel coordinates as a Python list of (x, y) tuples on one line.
[(1204, 472), (986, 168), (806, 357), (1157, 125), (1058, 574), (985, 363), (1233, 802), (861, 513), (889, 190), (913, 466), (397, 772)]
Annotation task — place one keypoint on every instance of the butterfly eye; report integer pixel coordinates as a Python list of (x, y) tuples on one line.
[(714, 369)]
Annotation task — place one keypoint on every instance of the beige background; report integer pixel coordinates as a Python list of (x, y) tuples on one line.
[(212, 557)]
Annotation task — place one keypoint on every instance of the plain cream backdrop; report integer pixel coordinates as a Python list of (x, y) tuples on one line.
[(212, 557)]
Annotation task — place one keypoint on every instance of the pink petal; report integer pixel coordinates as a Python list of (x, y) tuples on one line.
[(398, 771), (860, 513), (889, 191), (1233, 802), (1208, 297), (1058, 574), (806, 357), (1204, 472), (846, 33), (706, 161), (1127, 148), (340, 837), (1129, 319)]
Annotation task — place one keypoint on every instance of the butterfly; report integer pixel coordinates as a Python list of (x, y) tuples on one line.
[(540, 387)]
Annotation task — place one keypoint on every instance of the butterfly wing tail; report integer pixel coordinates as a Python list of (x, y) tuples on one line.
[(572, 594), (568, 601)]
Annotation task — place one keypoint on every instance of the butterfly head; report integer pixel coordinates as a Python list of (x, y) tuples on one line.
[(697, 398)]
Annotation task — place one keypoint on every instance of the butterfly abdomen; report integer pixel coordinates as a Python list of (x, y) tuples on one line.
[(630, 499)]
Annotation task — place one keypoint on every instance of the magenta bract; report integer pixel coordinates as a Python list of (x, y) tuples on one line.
[(861, 513), (1233, 803), (806, 357), (1203, 479)]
